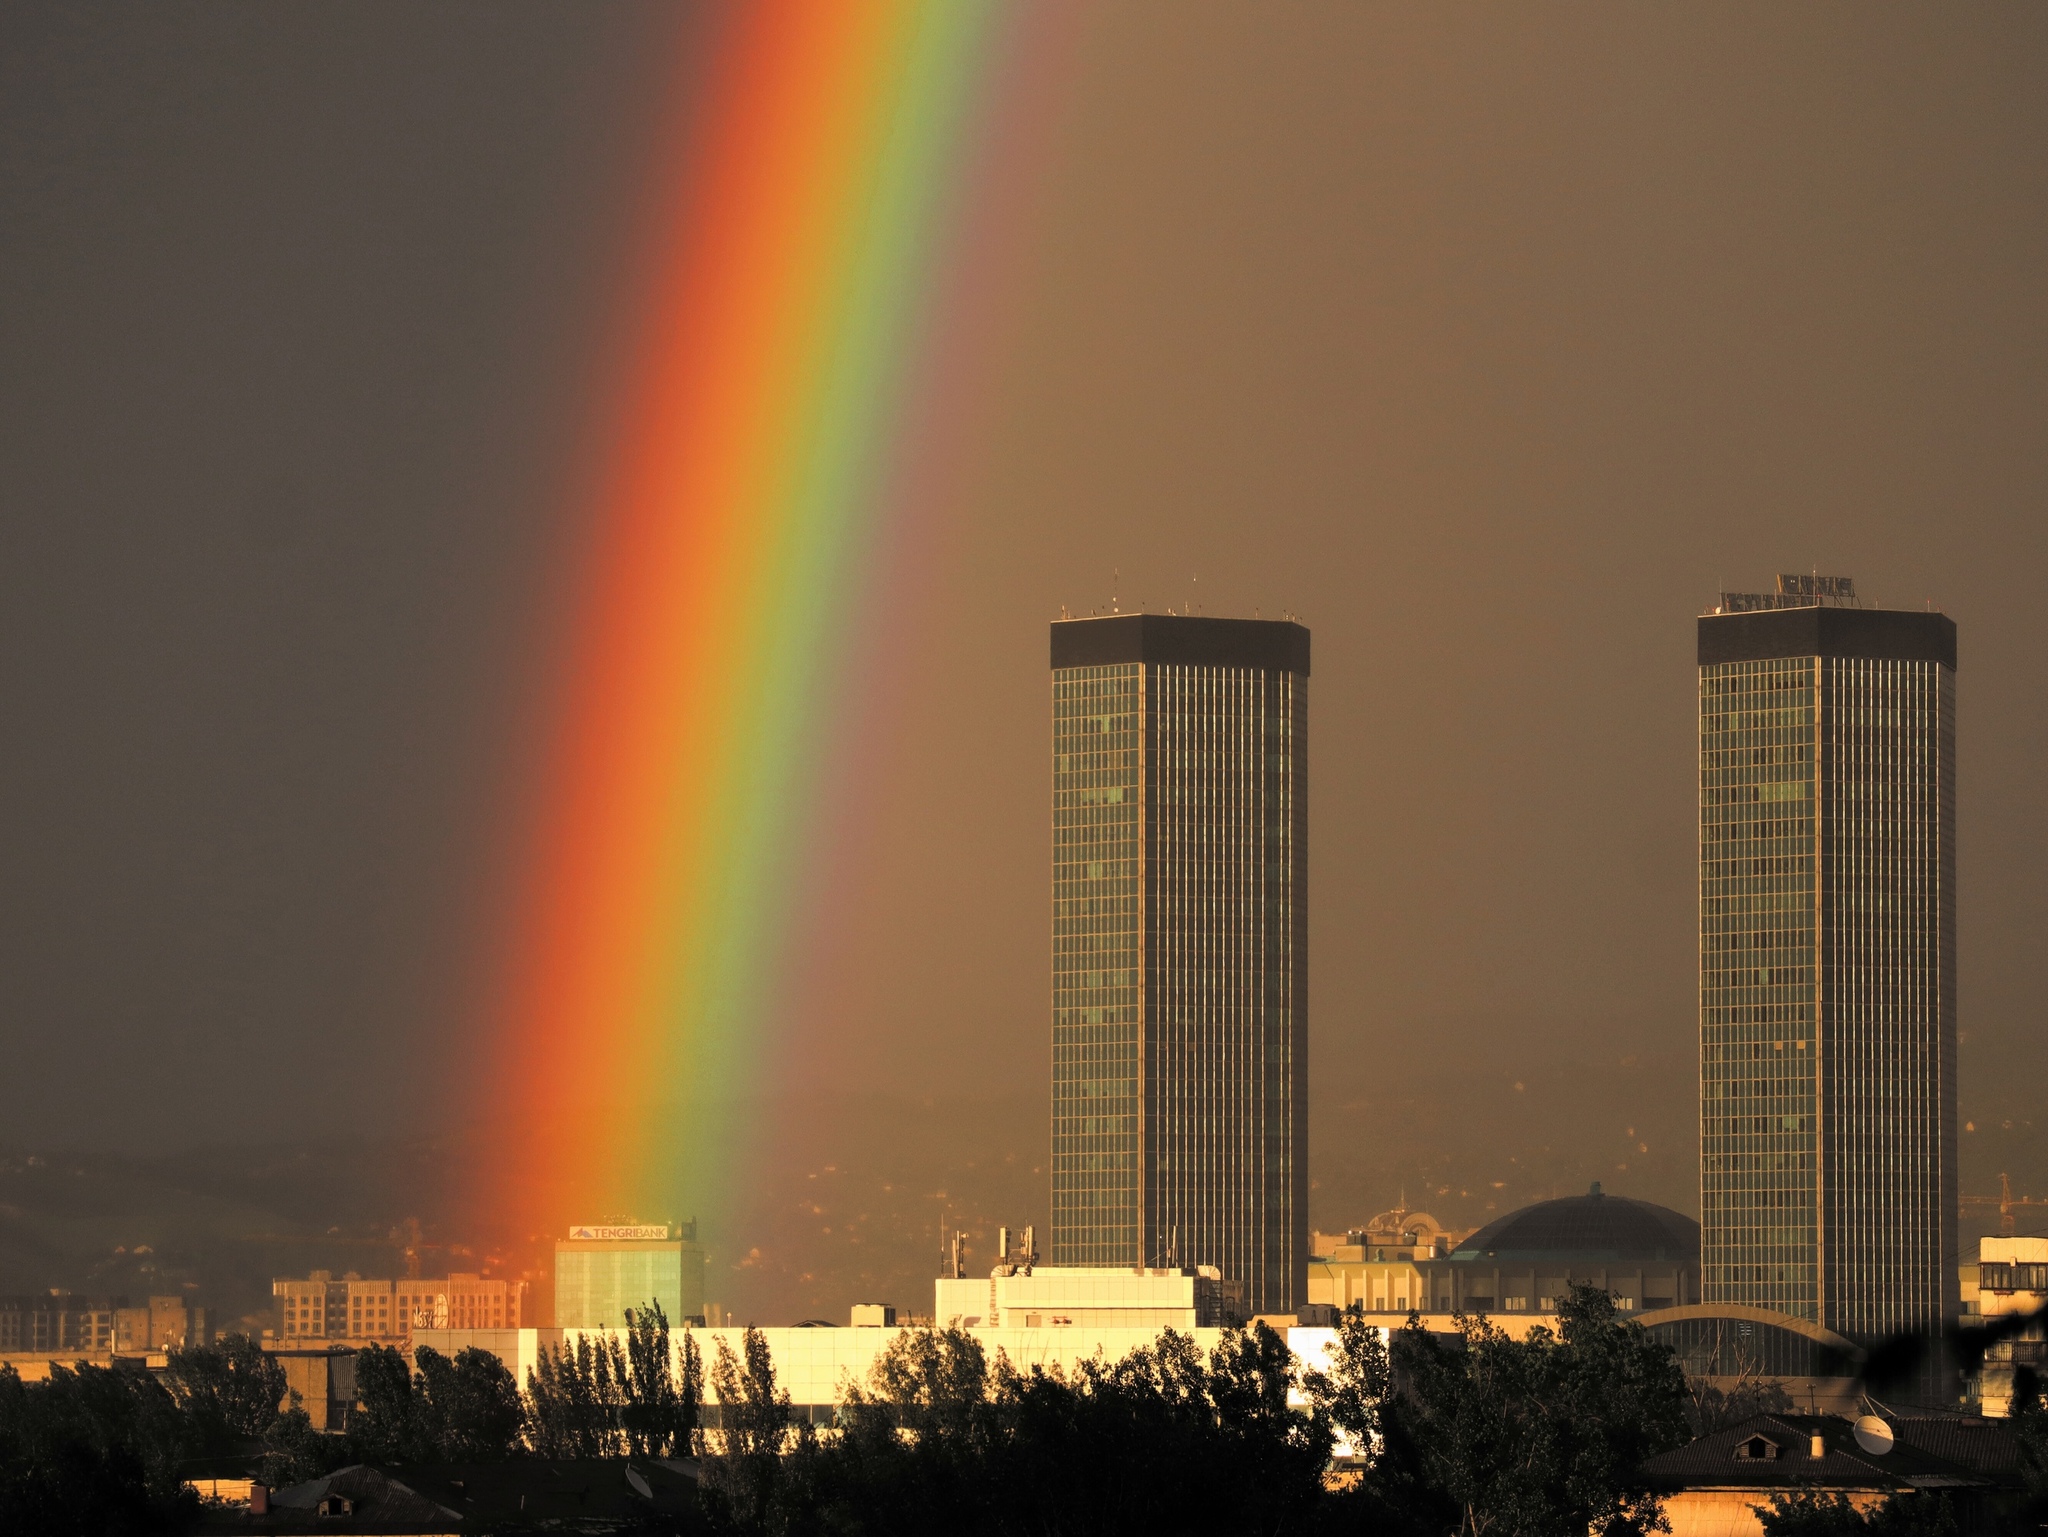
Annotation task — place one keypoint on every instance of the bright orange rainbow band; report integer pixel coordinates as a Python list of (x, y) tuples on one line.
[(727, 545)]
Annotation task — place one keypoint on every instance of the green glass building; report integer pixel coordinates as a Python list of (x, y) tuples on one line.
[(602, 1271), (1828, 1184), (1180, 948)]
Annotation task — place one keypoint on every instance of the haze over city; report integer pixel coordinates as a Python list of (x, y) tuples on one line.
[(1492, 347)]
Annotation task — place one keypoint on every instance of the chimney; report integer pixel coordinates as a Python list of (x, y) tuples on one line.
[(259, 1500), (1818, 1448)]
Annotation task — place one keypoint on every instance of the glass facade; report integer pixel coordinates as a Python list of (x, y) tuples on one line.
[(1097, 985), (1759, 1057), (1179, 984), (1827, 974), (595, 1283)]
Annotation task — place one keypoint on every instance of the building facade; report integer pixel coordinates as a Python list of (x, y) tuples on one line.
[(602, 1271), (1524, 1262), (58, 1322), (2011, 1280), (165, 1323), (383, 1311), (1827, 959), (1082, 1297), (1180, 948)]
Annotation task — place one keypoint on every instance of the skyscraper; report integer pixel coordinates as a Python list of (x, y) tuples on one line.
[(1827, 958), (1180, 948)]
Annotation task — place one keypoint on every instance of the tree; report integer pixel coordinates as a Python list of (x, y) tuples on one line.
[(576, 1397), (1810, 1513), (1500, 1437), (938, 1439), (746, 1475), (387, 1427), (1476, 1417), (1710, 1407), (1621, 1399), (294, 1451), (1814, 1513), (230, 1392), (661, 1412), (917, 1445), (469, 1408), (91, 1450)]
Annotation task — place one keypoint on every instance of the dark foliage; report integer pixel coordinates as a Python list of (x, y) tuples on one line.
[(746, 1480), (601, 1399), (576, 1399), (385, 1427), (468, 1409), (229, 1391), (91, 1450), (1495, 1437), (1483, 1436), (1813, 1513), (940, 1440), (661, 1412)]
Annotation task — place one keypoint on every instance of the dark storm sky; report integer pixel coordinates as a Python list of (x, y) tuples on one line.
[(1494, 343)]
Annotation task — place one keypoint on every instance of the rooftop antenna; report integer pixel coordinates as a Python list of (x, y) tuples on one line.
[(1873, 1434)]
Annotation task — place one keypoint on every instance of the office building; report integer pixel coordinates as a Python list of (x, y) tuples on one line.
[(1827, 958), (1180, 949), (601, 1271)]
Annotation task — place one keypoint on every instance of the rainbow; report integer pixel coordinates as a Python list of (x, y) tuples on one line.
[(728, 543)]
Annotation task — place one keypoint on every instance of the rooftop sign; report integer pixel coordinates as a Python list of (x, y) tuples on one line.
[(1794, 591), (613, 1233)]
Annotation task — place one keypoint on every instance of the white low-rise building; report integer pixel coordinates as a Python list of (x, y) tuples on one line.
[(1082, 1297)]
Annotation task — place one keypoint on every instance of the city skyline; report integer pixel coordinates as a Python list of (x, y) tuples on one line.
[(1492, 350)]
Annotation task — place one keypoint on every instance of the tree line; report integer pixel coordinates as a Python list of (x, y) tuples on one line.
[(1411, 1435)]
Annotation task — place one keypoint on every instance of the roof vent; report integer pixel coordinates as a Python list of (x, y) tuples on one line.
[(1756, 1449)]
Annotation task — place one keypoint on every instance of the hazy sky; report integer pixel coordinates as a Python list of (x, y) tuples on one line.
[(1491, 342)]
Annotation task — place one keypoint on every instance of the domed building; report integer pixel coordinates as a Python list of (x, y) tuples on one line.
[(1648, 1256)]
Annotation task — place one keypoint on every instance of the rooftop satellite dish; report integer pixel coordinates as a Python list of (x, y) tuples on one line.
[(639, 1483), (1873, 1435)]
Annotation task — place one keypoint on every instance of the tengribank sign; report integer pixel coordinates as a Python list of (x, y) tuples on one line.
[(615, 1233)]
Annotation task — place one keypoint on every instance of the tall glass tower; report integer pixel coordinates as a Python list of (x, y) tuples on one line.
[(1827, 958), (1180, 948)]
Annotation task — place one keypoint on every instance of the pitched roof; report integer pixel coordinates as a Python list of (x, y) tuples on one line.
[(1928, 1453), (587, 1497)]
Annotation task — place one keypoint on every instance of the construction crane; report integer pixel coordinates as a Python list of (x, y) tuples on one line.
[(2005, 1201)]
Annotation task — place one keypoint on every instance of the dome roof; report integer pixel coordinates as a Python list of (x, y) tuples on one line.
[(1596, 1228)]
